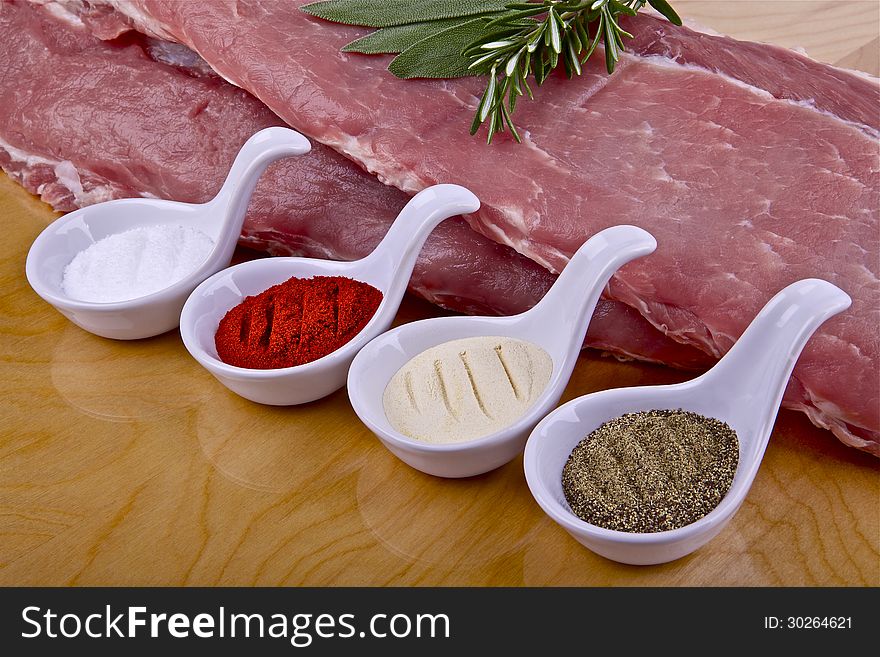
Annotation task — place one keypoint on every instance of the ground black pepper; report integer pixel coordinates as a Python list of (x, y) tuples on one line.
[(651, 471)]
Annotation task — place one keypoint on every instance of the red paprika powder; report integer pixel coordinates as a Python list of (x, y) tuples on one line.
[(295, 322)]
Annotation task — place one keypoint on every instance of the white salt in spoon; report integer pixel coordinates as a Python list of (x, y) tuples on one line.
[(220, 219), (557, 324), (744, 389), (388, 268)]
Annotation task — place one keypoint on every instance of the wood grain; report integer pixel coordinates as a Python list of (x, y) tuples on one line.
[(126, 463), (828, 30)]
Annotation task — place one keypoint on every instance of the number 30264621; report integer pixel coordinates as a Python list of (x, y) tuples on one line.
[(808, 622)]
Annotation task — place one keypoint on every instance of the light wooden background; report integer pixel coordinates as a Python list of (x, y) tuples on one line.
[(126, 463)]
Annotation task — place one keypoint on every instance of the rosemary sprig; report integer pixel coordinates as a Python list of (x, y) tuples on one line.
[(505, 40), (531, 38)]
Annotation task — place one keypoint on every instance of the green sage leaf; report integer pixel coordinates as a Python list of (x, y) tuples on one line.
[(440, 55), (398, 38), (383, 13)]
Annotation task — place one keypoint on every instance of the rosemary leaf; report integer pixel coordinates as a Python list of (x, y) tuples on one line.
[(533, 11), (511, 64), (477, 47), (489, 98), (573, 58), (583, 33), (477, 122), (622, 8), (593, 45), (610, 48), (509, 121), (575, 40), (555, 35), (668, 12)]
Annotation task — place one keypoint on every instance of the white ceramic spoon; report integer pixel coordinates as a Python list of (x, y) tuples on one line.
[(388, 268), (220, 218), (558, 324), (744, 389)]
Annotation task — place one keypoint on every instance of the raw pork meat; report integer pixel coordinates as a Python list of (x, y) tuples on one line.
[(87, 121), (752, 165)]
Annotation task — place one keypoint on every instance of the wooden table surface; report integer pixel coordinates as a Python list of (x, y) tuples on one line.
[(126, 463)]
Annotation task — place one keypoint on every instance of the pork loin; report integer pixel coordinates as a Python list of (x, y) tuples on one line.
[(86, 121), (753, 166)]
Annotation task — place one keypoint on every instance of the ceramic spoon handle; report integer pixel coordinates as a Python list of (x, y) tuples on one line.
[(567, 307), (258, 152), (402, 243), (756, 370)]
